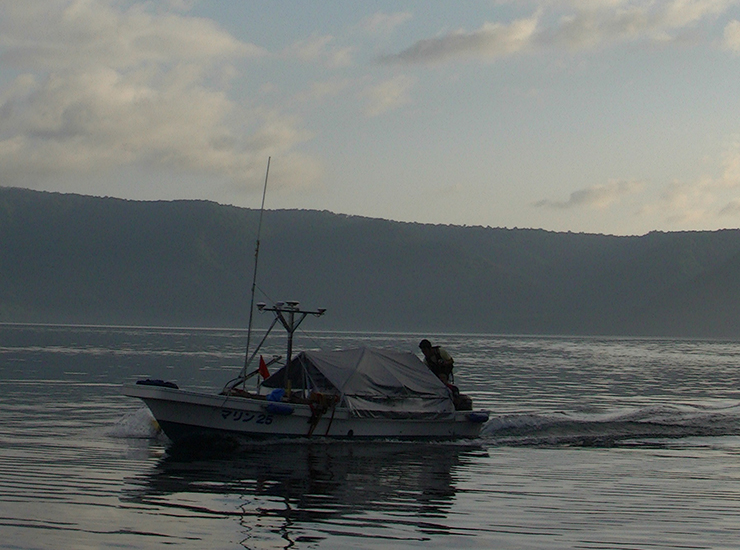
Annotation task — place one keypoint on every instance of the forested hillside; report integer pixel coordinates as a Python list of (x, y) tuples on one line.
[(78, 259)]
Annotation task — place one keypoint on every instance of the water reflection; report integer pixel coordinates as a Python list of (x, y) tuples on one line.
[(288, 493)]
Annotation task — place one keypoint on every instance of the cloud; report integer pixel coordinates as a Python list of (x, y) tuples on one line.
[(642, 20), (320, 49), (62, 34), (388, 95), (730, 177), (700, 202), (683, 202), (731, 209), (595, 197), (319, 91), (732, 36), (572, 25), (705, 199), (492, 40), (99, 87)]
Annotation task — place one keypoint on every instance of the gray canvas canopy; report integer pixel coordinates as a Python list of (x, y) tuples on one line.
[(370, 382)]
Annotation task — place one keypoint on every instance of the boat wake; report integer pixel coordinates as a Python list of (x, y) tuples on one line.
[(658, 426), (137, 425), (647, 426)]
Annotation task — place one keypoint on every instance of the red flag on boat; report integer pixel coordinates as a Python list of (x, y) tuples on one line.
[(264, 373)]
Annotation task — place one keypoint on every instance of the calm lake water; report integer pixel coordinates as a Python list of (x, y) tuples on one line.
[(593, 443)]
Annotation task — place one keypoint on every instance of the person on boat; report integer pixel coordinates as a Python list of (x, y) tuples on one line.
[(438, 360)]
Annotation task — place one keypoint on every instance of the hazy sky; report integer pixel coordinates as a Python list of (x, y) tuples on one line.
[(605, 116)]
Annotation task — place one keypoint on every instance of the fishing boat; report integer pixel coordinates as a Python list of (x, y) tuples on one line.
[(353, 393), (357, 393)]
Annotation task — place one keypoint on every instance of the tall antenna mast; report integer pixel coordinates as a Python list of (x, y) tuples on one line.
[(254, 276)]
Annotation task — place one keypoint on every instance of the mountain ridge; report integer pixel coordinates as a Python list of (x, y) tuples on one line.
[(98, 260)]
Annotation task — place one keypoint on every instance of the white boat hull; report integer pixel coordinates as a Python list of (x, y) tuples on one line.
[(186, 415)]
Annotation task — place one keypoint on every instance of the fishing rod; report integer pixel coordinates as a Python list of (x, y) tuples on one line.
[(243, 373)]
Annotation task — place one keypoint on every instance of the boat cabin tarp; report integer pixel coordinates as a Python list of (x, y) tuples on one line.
[(370, 382)]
